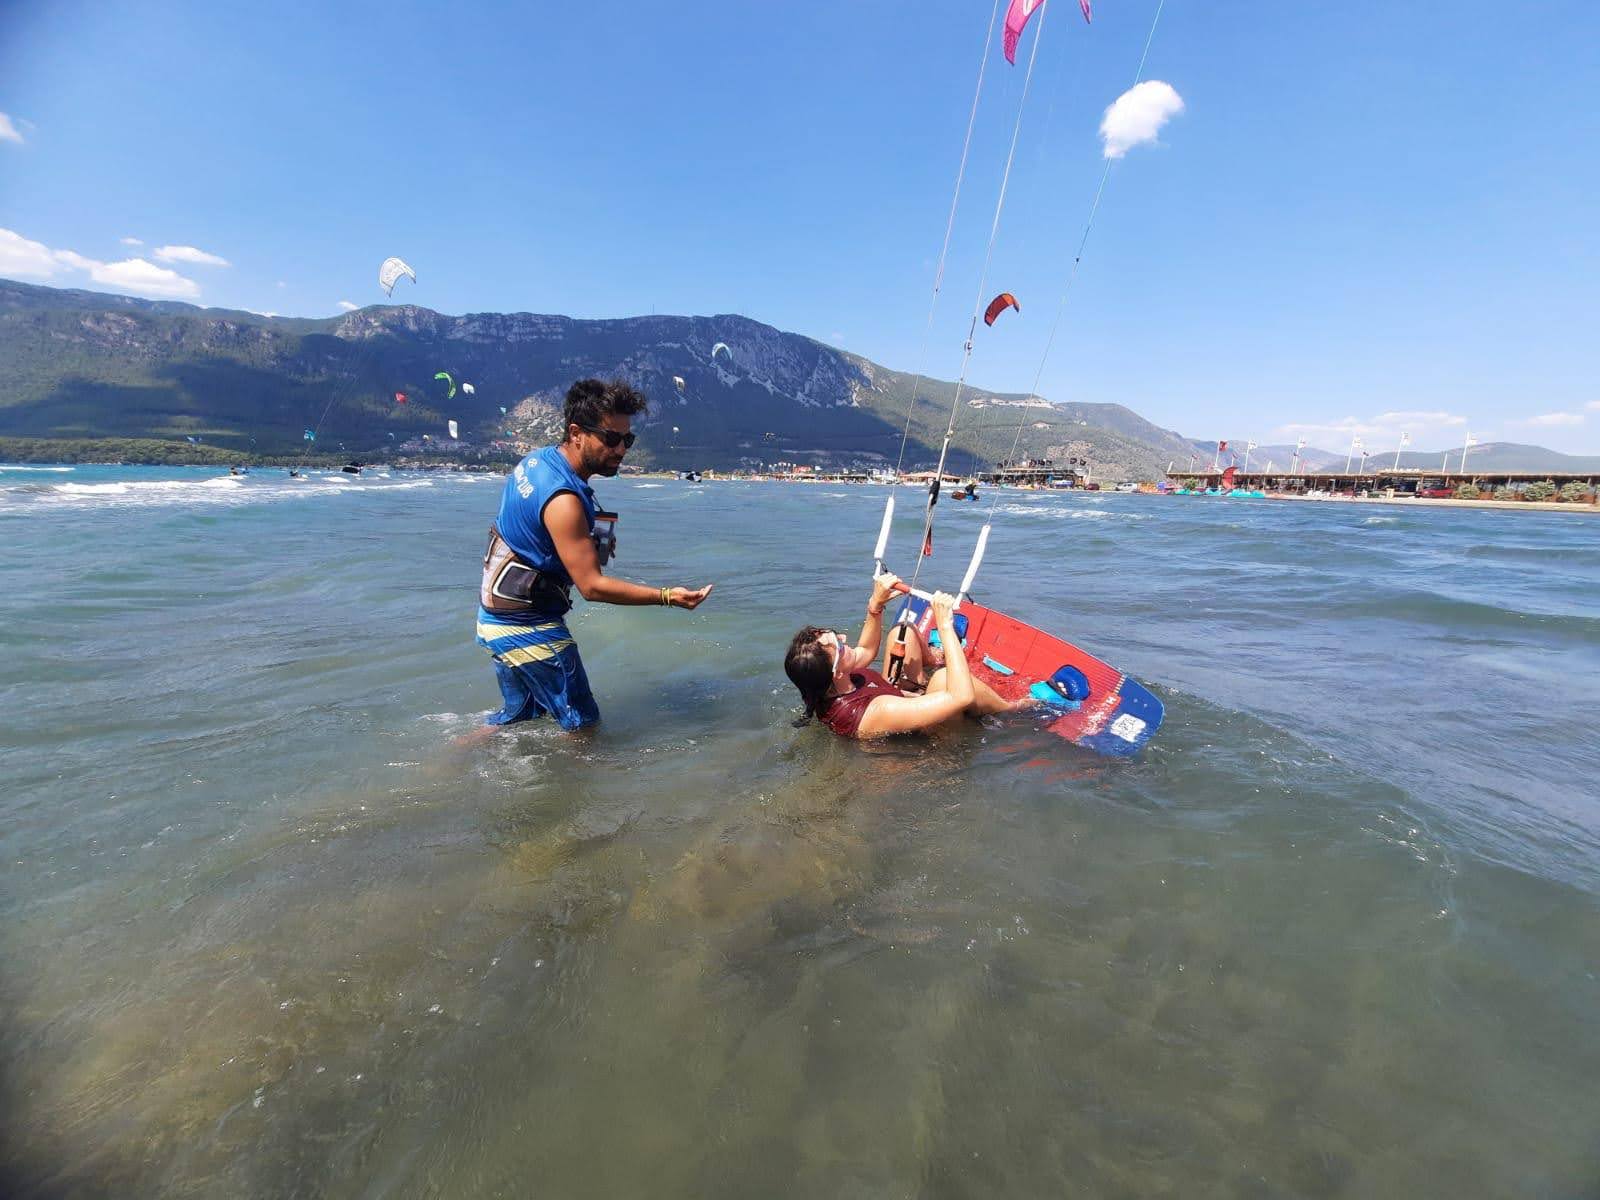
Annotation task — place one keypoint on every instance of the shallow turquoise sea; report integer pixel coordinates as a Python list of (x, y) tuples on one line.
[(267, 933)]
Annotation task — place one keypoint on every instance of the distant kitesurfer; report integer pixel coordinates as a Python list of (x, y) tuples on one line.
[(551, 536), (839, 687)]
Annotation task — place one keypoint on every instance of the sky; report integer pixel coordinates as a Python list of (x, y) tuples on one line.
[(1337, 221)]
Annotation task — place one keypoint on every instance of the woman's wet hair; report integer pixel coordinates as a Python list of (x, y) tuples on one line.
[(809, 667)]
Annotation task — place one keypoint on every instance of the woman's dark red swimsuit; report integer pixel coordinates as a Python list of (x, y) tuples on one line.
[(843, 714)]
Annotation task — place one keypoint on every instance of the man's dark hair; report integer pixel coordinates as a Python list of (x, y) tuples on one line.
[(590, 401)]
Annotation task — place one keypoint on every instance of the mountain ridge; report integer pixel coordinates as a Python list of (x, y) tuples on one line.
[(87, 364)]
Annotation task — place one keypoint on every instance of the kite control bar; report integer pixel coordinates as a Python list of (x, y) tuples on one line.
[(966, 580), (907, 590)]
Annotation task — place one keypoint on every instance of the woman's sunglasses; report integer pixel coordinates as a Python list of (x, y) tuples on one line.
[(611, 437)]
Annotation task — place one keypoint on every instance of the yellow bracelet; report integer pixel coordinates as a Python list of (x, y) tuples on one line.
[(666, 597)]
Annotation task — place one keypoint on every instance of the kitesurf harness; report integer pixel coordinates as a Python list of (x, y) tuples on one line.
[(513, 585)]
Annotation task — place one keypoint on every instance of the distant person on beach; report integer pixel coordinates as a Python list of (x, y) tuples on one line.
[(551, 536), (838, 686)]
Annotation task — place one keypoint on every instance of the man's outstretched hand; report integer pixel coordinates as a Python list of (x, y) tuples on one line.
[(681, 597)]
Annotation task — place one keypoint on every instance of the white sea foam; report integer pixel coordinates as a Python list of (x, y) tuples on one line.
[(1058, 513), (52, 469), (224, 490)]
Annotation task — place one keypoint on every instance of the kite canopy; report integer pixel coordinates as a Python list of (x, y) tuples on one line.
[(445, 375), (677, 382), (389, 274), (453, 432), (998, 305), (1017, 16), (399, 397), (469, 389), (722, 346)]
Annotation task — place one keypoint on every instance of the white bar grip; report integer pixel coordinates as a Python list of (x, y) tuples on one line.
[(883, 532), (977, 557)]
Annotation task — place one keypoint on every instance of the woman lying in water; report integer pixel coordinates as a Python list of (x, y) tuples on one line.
[(838, 685)]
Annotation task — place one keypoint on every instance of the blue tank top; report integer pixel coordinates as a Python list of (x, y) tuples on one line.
[(537, 480)]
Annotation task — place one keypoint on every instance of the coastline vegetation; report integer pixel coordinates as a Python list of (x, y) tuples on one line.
[(162, 453)]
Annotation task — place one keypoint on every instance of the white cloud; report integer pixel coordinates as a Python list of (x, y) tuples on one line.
[(9, 131), (1552, 420), (1389, 425), (282, 284), (189, 254), (144, 278), (24, 259), (132, 241), (347, 306), (1593, 406), (1137, 116)]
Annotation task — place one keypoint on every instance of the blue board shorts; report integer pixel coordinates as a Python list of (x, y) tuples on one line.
[(558, 686)]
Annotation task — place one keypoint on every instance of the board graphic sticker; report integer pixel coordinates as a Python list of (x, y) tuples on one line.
[(1099, 707)]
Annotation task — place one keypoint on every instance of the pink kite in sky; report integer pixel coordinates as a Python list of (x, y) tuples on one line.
[(1017, 16)]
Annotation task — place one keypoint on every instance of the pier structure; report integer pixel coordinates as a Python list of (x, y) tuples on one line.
[(1402, 481)]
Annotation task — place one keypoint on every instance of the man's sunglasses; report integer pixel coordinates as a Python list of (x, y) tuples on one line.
[(611, 437)]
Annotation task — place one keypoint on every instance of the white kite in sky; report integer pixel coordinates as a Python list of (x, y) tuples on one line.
[(1137, 116)]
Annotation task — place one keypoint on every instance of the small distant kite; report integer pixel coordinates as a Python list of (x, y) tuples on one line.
[(445, 375), (399, 397), (311, 435), (389, 274), (677, 382), (502, 410), (998, 305), (722, 346), (469, 389), (453, 432)]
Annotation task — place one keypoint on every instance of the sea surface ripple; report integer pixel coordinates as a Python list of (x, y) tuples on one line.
[(267, 933)]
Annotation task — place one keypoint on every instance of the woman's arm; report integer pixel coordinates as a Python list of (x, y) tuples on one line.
[(871, 636), (909, 714)]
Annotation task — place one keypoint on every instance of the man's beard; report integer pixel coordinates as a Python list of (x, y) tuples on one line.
[(601, 464)]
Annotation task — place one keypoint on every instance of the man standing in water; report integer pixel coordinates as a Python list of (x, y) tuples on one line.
[(550, 537)]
